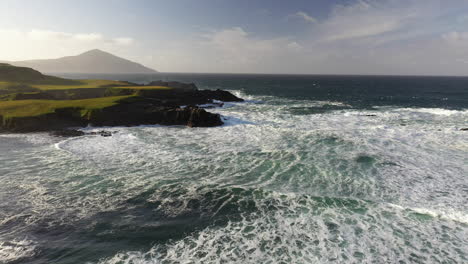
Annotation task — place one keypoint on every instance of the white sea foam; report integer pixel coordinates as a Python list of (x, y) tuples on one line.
[(323, 141), (449, 214), (437, 111), (16, 249), (293, 229), (36, 138), (411, 157)]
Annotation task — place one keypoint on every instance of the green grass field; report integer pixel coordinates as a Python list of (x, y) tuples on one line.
[(7, 85), (81, 84), (26, 108), (145, 87), (10, 108), (84, 84), (21, 82)]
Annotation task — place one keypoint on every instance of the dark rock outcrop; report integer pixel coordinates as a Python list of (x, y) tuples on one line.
[(123, 114), (67, 133), (78, 133), (102, 133), (201, 118), (221, 95), (143, 113), (144, 107)]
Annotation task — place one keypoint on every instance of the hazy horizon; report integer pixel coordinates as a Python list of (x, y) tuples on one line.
[(356, 37)]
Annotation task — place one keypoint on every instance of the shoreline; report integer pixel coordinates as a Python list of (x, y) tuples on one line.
[(33, 102)]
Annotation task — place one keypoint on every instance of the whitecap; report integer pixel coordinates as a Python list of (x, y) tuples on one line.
[(16, 249)]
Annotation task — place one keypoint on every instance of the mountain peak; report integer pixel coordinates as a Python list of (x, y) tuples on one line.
[(95, 52), (92, 61)]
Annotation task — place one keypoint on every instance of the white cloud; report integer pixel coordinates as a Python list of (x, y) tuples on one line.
[(295, 46), (40, 43), (124, 41), (229, 50), (44, 35), (361, 37), (368, 19), (48, 35), (455, 36), (305, 16), (88, 37), (244, 51)]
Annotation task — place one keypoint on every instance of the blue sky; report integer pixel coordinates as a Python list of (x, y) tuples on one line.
[(333, 37)]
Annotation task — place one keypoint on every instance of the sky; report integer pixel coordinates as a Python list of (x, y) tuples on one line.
[(396, 37)]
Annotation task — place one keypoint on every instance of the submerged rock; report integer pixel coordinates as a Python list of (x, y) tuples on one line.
[(102, 133), (364, 159), (67, 133), (78, 133)]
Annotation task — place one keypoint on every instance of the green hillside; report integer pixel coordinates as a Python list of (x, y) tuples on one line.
[(29, 108), (13, 74), (26, 93)]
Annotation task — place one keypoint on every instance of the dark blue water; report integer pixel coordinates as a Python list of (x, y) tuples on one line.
[(358, 91), (310, 169)]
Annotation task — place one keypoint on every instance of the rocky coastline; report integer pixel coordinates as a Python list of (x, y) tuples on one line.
[(175, 106)]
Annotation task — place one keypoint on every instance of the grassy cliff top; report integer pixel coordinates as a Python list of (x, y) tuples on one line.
[(23, 93), (88, 83), (26, 108), (145, 87), (79, 84), (74, 84)]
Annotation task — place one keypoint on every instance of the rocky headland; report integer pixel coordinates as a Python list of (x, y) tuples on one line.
[(31, 102)]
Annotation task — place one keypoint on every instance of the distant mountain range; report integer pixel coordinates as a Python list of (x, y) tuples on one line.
[(93, 61)]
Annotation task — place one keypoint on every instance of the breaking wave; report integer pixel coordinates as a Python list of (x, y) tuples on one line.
[(283, 181)]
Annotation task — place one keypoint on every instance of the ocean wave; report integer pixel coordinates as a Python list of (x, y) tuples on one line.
[(447, 214), (15, 250), (277, 227), (346, 185)]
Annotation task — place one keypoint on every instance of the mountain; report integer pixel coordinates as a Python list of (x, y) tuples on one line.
[(93, 61)]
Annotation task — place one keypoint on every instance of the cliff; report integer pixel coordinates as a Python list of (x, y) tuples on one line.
[(30, 101)]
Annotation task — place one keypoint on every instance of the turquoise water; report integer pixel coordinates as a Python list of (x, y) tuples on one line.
[(307, 170)]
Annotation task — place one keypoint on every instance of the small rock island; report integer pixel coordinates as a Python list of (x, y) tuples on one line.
[(31, 102)]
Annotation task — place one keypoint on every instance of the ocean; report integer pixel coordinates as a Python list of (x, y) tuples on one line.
[(310, 169)]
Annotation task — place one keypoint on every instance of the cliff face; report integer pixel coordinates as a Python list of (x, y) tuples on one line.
[(155, 107), (121, 115), (31, 101)]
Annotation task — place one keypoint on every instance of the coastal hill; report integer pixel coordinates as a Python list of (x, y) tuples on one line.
[(12, 74), (31, 101), (93, 61)]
